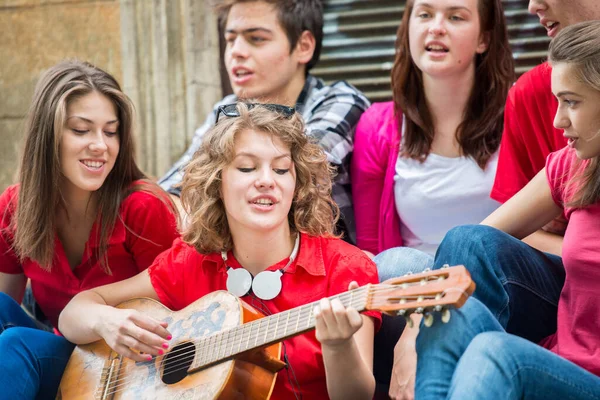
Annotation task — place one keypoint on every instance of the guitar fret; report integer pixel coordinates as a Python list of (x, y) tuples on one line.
[(266, 330), (311, 308), (297, 319), (286, 323)]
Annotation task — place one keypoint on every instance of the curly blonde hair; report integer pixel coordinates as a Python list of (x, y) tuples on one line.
[(313, 211)]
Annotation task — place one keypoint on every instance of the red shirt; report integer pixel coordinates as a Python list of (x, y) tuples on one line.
[(151, 229), (578, 326), (529, 135), (324, 267)]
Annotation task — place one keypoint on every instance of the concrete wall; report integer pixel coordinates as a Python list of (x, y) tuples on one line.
[(36, 34), (164, 53)]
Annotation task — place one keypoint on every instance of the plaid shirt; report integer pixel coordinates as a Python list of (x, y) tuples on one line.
[(330, 114)]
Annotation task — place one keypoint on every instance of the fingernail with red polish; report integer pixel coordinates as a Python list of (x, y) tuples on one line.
[(165, 345), (149, 358), (160, 352), (169, 337)]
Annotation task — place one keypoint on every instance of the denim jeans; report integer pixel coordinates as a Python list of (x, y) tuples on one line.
[(33, 360), (393, 263), (518, 288), (472, 357), (399, 261)]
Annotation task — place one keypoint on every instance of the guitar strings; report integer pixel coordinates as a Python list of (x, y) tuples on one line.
[(187, 355), (178, 367), (118, 384)]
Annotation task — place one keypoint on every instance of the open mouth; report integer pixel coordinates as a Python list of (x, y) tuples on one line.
[(94, 165), (436, 48), (263, 202)]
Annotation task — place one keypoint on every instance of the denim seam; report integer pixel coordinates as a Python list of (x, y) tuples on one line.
[(509, 282), (556, 377)]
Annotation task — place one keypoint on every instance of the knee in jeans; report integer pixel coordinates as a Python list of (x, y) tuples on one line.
[(11, 338), (464, 234), (6, 301)]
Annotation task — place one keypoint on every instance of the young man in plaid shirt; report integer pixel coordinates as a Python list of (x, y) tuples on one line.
[(271, 47)]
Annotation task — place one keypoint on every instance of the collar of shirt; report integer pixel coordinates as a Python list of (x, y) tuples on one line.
[(310, 257)]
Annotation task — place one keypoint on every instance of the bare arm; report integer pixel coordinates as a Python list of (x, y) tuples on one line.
[(545, 241), (13, 285), (91, 316), (527, 211)]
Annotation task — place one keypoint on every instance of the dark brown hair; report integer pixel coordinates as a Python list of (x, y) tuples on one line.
[(480, 132), (39, 197), (578, 46), (295, 16)]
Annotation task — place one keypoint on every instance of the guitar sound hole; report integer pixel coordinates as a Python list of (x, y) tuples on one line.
[(177, 363)]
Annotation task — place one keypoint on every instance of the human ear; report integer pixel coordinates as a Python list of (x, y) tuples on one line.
[(484, 42), (305, 47)]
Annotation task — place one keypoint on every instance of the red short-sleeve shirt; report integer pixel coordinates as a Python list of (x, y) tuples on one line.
[(147, 227), (529, 134), (324, 267)]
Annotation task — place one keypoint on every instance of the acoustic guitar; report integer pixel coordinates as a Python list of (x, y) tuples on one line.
[(223, 348)]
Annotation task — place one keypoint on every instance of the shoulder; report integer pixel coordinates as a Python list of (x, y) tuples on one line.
[(8, 203), (379, 120), (9, 195), (536, 81), (559, 162), (339, 90), (338, 250), (145, 198)]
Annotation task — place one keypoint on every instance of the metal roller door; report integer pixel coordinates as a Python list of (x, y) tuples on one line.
[(359, 40)]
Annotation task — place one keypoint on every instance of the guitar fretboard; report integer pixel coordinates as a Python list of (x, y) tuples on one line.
[(268, 330)]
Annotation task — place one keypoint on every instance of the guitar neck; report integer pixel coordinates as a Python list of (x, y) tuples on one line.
[(268, 330)]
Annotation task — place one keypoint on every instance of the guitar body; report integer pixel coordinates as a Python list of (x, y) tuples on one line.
[(95, 371)]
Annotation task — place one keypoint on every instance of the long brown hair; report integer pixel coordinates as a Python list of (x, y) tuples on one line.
[(480, 131), (34, 226), (578, 46), (312, 212)]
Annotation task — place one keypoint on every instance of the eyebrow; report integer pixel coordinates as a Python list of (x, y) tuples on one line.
[(250, 30), (114, 121), (566, 93), (245, 154), (452, 8)]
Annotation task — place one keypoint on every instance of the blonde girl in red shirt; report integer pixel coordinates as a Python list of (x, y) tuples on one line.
[(256, 189)]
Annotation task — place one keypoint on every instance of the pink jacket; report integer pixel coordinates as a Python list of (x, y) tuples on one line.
[(376, 149)]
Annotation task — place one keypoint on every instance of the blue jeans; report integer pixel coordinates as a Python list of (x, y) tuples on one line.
[(399, 261), (517, 292), (33, 360), (472, 357), (393, 263)]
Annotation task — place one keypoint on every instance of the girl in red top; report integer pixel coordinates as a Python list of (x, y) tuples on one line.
[(81, 215), (256, 189), (522, 293)]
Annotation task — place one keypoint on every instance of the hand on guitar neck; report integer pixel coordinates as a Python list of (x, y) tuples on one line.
[(225, 361)]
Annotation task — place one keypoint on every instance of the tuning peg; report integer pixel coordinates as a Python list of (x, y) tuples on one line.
[(419, 310), (409, 321), (446, 266), (446, 316), (401, 312), (437, 308), (428, 319)]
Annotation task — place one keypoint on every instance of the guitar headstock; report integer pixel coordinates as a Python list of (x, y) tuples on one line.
[(423, 293)]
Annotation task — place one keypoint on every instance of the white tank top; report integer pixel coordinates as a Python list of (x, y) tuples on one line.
[(434, 196)]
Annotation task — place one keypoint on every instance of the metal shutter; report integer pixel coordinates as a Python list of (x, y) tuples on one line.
[(358, 44)]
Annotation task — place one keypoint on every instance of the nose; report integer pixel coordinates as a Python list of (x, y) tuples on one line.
[(265, 179), (561, 121), (535, 6), (239, 48), (98, 142), (437, 27)]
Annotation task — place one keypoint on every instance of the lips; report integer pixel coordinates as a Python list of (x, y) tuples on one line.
[(93, 164), (264, 200), (436, 47), (241, 74), (550, 25)]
